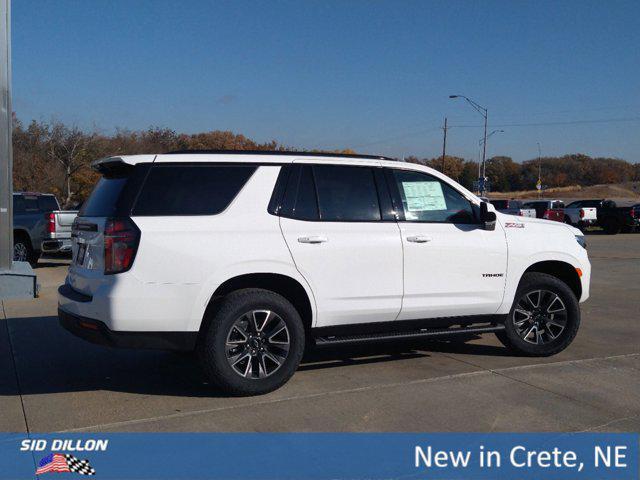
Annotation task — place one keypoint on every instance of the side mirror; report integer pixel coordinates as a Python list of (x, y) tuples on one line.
[(487, 218)]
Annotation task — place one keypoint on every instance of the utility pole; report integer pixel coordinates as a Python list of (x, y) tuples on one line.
[(444, 143), (17, 279)]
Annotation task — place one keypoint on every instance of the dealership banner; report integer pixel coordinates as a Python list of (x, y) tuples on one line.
[(284, 456)]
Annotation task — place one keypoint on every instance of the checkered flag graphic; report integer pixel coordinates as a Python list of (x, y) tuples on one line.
[(79, 466)]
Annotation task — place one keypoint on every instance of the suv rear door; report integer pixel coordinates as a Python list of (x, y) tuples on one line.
[(338, 224)]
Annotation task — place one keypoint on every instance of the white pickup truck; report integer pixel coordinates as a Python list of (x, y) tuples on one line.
[(581, 213), (513, 207)]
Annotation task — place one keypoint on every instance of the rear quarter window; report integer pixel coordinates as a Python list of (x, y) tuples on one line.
[(48, 203), (190, 189), (103, 200)]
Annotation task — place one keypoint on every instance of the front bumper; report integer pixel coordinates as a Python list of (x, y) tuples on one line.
[(97, 332)]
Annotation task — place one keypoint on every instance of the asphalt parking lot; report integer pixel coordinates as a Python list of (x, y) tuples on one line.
[(52, 381)]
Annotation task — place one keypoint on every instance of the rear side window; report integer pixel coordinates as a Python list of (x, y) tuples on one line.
[(346, 193), (48, 203), (557, 205), (31, 204), (190, 189), (103, 200)]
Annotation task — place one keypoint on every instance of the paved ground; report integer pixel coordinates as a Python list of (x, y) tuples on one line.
[(51, 381)]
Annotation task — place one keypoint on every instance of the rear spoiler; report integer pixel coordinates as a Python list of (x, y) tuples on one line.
[(111, 166), (119, 166)]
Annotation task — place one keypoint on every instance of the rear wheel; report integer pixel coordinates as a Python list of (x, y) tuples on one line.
[(253, 344), (544, 318)]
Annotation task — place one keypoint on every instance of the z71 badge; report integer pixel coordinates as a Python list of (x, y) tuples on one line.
[(513, 225)]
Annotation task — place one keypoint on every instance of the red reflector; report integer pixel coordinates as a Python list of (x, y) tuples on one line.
[(90, 326)]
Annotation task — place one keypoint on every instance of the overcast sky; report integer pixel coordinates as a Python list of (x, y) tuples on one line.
[(374, 76)]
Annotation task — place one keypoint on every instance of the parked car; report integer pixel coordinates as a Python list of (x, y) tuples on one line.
[(30, 211), (513, 207), (59, 225), (616, 216), (547, 209), (249, 257), (582, 213)]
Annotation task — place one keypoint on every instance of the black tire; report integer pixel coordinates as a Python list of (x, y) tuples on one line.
[(550, 344), (611, 226), (212, 348), (22, 249)]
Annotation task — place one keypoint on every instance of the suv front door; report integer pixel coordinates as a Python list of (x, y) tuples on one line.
[(452, 266), (338, 224)]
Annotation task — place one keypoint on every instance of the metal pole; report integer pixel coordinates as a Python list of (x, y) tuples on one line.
[(444, 143), (6, 158), (484, 151)]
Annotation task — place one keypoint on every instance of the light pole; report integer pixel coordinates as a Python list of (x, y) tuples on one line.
[(482, 111), (481, 142)]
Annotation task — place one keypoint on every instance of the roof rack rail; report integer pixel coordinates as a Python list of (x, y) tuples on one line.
[(282, 152)]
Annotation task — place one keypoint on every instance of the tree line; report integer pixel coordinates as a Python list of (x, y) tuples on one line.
[(56, 158), (506, 175)]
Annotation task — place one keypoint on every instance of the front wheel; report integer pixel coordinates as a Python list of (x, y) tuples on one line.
[(253, 344), (544, 318), (22, 250)]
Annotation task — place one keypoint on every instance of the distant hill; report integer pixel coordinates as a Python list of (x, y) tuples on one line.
[(614, 190)]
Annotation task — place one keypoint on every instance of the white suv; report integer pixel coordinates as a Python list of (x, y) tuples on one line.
[(248, 257)]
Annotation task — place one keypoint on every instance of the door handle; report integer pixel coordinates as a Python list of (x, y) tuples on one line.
[(313, 239), (419, 239)]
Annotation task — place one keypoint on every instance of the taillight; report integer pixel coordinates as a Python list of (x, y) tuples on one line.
[(121, 238), (634, 213), (581, 213), (547, 214), (51, 222)]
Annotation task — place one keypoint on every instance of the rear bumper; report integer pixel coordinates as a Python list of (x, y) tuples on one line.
[(56, 246), (97, 332)]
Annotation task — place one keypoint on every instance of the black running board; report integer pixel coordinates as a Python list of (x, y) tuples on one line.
[(406, 335)]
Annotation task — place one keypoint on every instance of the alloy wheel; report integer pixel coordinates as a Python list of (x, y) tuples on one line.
[(258, 344), (20, 252), (540, 316)]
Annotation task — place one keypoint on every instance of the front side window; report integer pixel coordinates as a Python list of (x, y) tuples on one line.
[(346, 193), (427, 199)]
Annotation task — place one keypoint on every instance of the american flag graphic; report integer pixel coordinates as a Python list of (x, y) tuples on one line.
[(64, 463)]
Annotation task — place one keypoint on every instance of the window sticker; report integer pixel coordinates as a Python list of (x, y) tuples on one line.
[(424, 196)]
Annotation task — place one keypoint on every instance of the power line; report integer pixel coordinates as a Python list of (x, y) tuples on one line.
[(544, 124)]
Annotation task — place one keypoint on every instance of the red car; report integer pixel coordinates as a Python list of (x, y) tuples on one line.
[(547, 209)]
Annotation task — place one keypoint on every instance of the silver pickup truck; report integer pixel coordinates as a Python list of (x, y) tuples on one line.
[(59, 224), (39, 226)]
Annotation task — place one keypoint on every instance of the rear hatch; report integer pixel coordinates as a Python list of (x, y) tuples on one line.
[(102, 229)]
